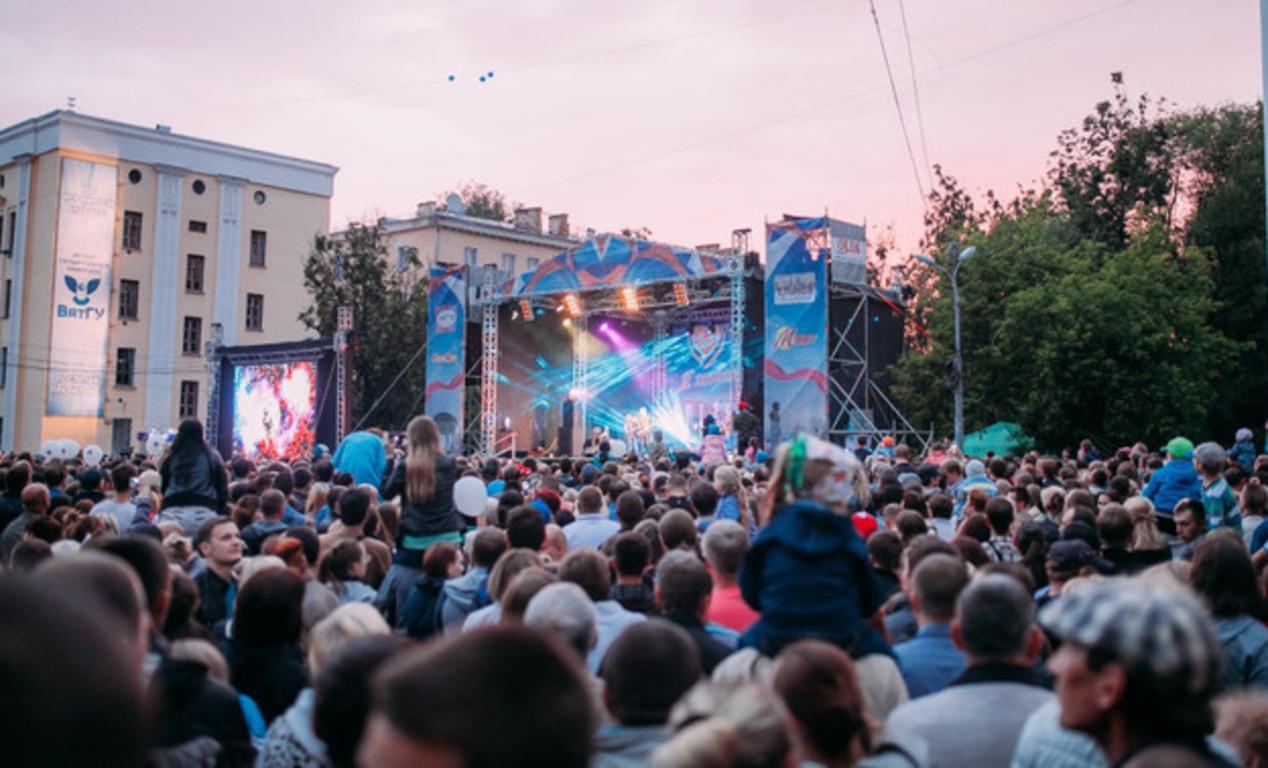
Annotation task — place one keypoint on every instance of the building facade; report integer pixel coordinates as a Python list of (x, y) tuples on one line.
[(442, 236), (125, 250)]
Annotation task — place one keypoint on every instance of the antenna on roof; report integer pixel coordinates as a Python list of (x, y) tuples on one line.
[(70, 103), (455, 205)]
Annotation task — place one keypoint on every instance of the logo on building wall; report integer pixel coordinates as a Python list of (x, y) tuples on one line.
[(705, 344), (76, 288)]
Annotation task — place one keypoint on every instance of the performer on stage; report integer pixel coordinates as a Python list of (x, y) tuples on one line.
[(638, 431)]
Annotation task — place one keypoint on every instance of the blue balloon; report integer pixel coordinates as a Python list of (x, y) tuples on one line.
[(451, 78), (482, 78), (490, 75)]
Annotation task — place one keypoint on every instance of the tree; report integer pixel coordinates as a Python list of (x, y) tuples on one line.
[(483, 202), (389, 315)]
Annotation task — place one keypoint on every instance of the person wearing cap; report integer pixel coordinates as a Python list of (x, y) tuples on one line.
[(1243, 450), (1173, 481), (1137, 670), (1067, 559)]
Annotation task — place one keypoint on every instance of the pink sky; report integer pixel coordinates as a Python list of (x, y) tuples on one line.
[(689, 118)]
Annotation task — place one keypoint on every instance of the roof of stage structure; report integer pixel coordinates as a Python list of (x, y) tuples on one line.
[(609, 261)]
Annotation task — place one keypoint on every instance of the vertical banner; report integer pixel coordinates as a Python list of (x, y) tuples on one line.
[(849, 252), (446, 353), (81, 289), (796, 381)]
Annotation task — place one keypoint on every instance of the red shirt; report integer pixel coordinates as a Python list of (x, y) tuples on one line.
[(729, 609)]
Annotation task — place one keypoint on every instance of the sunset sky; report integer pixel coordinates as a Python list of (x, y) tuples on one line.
[(690, 118)]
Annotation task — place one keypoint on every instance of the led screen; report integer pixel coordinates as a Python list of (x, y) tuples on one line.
[(274, 410)]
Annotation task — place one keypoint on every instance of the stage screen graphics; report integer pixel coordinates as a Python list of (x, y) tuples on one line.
[(274, 410)]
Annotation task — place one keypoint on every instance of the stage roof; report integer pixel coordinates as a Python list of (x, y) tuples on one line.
[(609, 261)]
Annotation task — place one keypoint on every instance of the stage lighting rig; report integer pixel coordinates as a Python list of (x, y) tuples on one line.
[(629, 299), (572, 302), (680, 295), (526, 309)]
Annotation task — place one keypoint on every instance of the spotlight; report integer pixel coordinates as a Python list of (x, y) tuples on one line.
[(526, 309), (572, 302), (629, 298), (604, 327), (567, 322), (680, 295)]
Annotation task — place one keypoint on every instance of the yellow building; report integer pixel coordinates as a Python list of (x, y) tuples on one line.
[(124, 249), (445, 235)]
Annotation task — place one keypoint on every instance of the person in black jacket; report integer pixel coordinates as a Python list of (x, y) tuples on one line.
[(424, 483), (195, 486)]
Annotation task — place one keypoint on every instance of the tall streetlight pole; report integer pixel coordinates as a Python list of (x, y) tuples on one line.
[(957, 256)]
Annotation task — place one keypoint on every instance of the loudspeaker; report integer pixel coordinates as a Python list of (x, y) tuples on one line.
[(565, 428)]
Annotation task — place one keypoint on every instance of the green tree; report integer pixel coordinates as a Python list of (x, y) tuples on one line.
[(483, 202), (389, 314)]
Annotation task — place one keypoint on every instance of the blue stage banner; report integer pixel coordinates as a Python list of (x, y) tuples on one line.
[(796, 381), (446, 353)]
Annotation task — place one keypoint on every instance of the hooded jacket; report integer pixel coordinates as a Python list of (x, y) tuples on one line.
[(1175, 480), (809, 575)]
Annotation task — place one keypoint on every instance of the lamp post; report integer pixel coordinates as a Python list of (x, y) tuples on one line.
[(957, 256)]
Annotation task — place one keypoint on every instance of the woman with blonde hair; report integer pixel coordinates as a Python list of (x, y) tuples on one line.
[(1146, 538), (733, 503)]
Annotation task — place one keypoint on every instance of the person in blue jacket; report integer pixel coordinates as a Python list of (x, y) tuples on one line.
[(1177, 479), (808, 572), (361, 454)]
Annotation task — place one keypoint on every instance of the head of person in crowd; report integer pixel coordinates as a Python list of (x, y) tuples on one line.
[(630, 555), (148, 562), (566, 612), (521, 590), (555, 545), (495, 696), (1069, 559), (509, 565), (588, 569), (724, 545), (269, 609), (629, 509), (995, 622), (683, 586), (678, 530), (1190, 517), (648, 668), (69, 665), (1224, 577), (487, 546), (820, 686), (218, 543), (525, 528), (812, 470), (727, 725), (342, 692), (1137, 664), (443, 561), (936, 584)]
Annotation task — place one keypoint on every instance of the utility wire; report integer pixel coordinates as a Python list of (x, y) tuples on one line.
[(915, 88), (898, 105), (391, 386)]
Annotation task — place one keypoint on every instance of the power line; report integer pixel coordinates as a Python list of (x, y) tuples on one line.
[(915, 88), (898, 105)]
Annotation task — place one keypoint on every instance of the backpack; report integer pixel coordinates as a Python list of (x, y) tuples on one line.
[(424, 608)]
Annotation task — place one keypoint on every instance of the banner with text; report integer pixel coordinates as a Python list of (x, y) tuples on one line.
[(796, 382), (446, 353), (849, 252), (81, 289)]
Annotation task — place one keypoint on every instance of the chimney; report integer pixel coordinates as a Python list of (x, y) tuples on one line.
[(529, 219), (426, 210), (558, 224)]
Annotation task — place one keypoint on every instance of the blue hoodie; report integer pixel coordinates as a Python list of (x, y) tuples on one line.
[(361, 454), (1175, 480), (809, 574)]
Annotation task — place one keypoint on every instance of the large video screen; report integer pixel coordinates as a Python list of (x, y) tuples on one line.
[(274, 410)]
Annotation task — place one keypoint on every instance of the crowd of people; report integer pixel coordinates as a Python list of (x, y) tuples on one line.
[(816, 605)]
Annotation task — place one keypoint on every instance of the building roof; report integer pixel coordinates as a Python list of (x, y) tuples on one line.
[(63, 129)]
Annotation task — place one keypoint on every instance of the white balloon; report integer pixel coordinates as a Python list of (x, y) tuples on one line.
[(93, 454), (69, 449), (154, 445), (49, 449), (618, 448), (469, 496)]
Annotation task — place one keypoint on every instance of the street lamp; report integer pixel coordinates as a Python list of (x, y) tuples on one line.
[(957, 256)]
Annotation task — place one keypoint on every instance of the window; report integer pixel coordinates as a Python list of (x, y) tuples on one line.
[(404, 254), (4, 367), (508, 263), (194, 273), (2, 245), (125, 367), (255, 312), (199, 186), (129, 299), (199, 227), (259, 244), (189, 400), (131, 230), (470, 255), (8, 297), (192, 337), (13, 231), (532, 262)]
